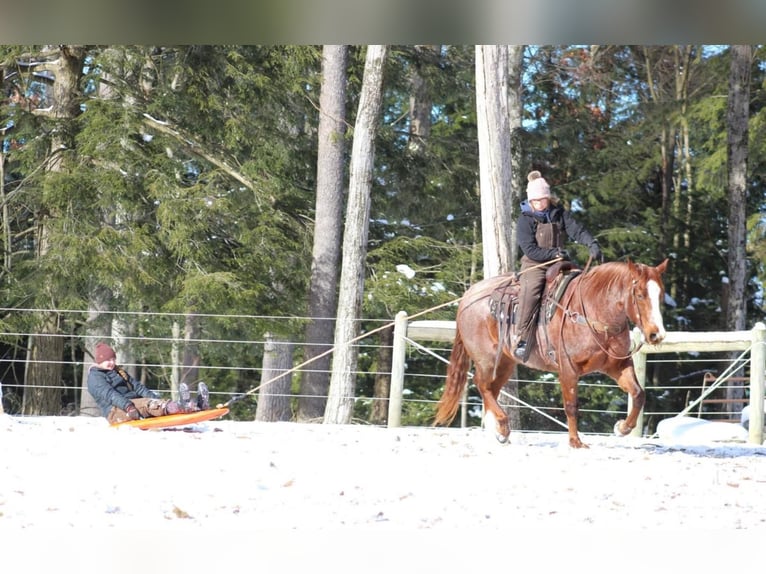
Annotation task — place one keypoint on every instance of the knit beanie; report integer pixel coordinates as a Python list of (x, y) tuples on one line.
[(537, 188), (103, 352)]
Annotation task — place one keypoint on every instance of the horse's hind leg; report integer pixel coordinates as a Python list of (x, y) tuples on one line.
[(489, 387), (568, 384)]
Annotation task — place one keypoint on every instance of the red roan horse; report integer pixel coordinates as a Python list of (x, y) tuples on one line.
[(588, 331)]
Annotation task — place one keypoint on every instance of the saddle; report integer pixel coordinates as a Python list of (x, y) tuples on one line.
[(557, 280), (504, 302)]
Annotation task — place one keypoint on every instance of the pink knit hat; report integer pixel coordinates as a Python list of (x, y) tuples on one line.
[(537, 188), (103, 352)]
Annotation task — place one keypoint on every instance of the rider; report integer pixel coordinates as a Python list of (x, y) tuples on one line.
[(540, 232)]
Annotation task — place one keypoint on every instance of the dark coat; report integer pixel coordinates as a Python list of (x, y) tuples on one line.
[(527, 225), (111, 389)]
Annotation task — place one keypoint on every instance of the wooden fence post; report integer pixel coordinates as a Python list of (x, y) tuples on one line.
[(397, 370), (757, 362)]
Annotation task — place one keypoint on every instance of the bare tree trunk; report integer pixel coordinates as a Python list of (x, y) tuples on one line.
[(515, 112), (682, 180), (667, 162), (97, 328), (494, 157), (274, 394), (7, 244), (42, 393), (340, 403), (420, 105), (737, 115), (315, 381), (515, 68), (190, 373), (382, 390), (495, 191)]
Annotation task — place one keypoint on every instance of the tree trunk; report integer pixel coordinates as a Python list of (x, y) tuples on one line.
[(494, 157), (737, 115), (42, 393), (323, 296), (340, 403), (667, 139), (97, 328), (274, 394), (190, 372), (420, 106), (515, 114), (495, 191), (123, 332), (382, 389), (515, 111)]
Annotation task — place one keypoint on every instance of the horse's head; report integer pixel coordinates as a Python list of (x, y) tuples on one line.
[(647, 292)]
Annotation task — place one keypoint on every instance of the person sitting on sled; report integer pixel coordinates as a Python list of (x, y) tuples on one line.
[(121, 397), (541, 231)]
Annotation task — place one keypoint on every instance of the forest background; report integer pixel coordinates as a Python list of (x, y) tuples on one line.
[(182, 202)]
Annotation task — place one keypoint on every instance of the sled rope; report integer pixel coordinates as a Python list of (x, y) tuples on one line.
[(354, 340), (328, 351)]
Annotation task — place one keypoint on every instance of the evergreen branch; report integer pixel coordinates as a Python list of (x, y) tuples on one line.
[(195, 148)]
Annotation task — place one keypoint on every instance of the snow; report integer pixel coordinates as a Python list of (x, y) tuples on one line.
[(288, 497), (692, 431), (406, 270)]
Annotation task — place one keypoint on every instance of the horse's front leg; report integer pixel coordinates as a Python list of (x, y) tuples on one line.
[(569, 393), (628, 382)]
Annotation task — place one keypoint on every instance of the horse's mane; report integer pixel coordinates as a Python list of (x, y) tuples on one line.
[(610, 277)]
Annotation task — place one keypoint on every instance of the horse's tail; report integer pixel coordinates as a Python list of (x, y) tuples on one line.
[(457, 375)]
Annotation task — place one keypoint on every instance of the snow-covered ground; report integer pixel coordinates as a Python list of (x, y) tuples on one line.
[(285, 497)]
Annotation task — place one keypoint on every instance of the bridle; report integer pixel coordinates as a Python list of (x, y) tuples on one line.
[(595, 326)]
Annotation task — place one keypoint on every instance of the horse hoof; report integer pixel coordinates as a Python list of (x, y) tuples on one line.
[(577, 443), (618, 429)]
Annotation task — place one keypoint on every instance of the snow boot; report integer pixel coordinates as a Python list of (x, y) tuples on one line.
[(203, 397), (184, 398)]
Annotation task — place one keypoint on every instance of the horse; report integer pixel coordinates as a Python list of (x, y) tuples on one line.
[(586, 330)]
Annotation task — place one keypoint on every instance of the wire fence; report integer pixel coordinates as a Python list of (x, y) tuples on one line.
[(681, 380)]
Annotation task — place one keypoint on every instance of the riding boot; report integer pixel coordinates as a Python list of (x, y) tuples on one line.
[(523, 350)]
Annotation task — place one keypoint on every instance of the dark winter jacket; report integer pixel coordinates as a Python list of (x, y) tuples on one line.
[(527, 225), (115, 388)]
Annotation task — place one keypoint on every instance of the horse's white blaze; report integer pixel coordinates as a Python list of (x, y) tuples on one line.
[(654, 296)]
